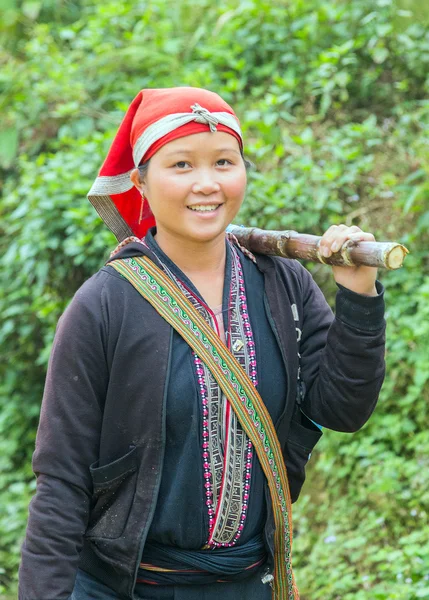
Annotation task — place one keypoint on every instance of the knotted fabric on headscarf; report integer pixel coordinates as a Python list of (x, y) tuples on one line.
[(154, 118)]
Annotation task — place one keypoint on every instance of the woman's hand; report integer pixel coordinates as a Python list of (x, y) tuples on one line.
[(358, 279)]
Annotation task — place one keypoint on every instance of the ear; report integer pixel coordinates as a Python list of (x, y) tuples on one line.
[(135, 178)]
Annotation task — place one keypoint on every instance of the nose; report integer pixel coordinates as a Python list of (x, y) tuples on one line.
[(205, 183)]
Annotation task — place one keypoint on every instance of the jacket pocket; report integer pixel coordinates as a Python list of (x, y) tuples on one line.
[(303, 436), (114, 487)]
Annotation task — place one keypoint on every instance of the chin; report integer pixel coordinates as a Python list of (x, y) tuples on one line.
[(206, 234)]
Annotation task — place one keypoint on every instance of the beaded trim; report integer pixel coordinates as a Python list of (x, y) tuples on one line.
[(227, 452), (129, 240), (232, 238), (231, 498)]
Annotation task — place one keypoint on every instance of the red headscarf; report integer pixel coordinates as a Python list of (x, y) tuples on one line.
[(154, 118)]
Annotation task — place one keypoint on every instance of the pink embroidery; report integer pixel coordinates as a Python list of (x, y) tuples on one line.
[(227, 452)]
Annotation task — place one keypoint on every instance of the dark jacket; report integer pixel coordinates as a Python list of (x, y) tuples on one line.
[(100, 444)]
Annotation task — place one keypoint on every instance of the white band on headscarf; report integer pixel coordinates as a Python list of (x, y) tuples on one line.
[(113, 184), (157, 130)]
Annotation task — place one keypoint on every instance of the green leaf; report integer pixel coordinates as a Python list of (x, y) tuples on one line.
[(31, 9), (8, 146), (380, 54)]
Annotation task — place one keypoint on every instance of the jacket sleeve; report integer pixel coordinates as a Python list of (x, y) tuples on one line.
[(66, 444), (342, 360)]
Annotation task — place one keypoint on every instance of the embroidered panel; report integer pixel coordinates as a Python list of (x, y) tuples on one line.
[(227, 452)]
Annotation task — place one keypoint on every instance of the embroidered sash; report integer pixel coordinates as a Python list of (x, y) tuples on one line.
[(157, 288)]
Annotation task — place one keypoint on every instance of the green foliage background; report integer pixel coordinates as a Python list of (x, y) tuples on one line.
[(333, 101)]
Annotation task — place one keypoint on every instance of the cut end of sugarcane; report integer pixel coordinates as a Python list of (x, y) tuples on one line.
[(395, 256)]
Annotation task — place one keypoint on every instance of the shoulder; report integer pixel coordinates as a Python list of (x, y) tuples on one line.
[(106, 280), (287, 278), (291, 266), (290, 271), (94, 299)]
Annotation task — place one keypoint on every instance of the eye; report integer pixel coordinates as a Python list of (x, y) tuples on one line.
[(182, 164), (223, 162)]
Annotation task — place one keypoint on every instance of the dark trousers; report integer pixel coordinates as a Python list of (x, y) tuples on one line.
[(89, 588)]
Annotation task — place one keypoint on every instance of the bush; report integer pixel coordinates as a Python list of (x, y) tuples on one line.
[(332, 102)]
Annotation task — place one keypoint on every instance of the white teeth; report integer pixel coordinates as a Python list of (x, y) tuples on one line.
[(200, 207)]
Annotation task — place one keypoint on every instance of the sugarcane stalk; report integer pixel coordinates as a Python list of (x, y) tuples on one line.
[(291, 244)]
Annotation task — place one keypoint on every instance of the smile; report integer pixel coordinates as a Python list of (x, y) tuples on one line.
[(204, 207)]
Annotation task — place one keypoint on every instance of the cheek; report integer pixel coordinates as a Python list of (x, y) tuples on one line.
[(162, 191), (235, 187)]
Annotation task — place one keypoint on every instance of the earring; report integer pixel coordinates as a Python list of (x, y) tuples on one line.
[(141, 208)]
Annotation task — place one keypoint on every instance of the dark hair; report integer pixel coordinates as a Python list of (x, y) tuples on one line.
[(248, 163), (143, 170), (145, 166)]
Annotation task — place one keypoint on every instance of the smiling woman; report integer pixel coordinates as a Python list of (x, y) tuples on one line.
[(186, 377)]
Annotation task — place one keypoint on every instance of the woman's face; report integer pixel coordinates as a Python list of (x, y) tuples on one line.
[(195, 185)]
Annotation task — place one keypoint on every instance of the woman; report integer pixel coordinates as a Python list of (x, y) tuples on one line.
[(149, 485)]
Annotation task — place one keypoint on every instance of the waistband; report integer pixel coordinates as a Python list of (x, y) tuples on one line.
[(168, 565)]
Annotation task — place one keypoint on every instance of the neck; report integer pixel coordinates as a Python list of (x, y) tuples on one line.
[(194, 258)]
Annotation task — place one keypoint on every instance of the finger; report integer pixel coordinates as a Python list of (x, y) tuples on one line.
[(352, 233), (339, 240), (362, 236), (336, 237), (327, 239), (343, 227), (335, 229)]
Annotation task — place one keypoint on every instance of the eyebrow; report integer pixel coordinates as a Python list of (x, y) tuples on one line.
[(219, 150)]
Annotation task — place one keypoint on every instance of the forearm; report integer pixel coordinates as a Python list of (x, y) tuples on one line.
[(345, 390)]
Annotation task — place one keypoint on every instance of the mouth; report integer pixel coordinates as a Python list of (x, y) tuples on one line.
[(204, 207)]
